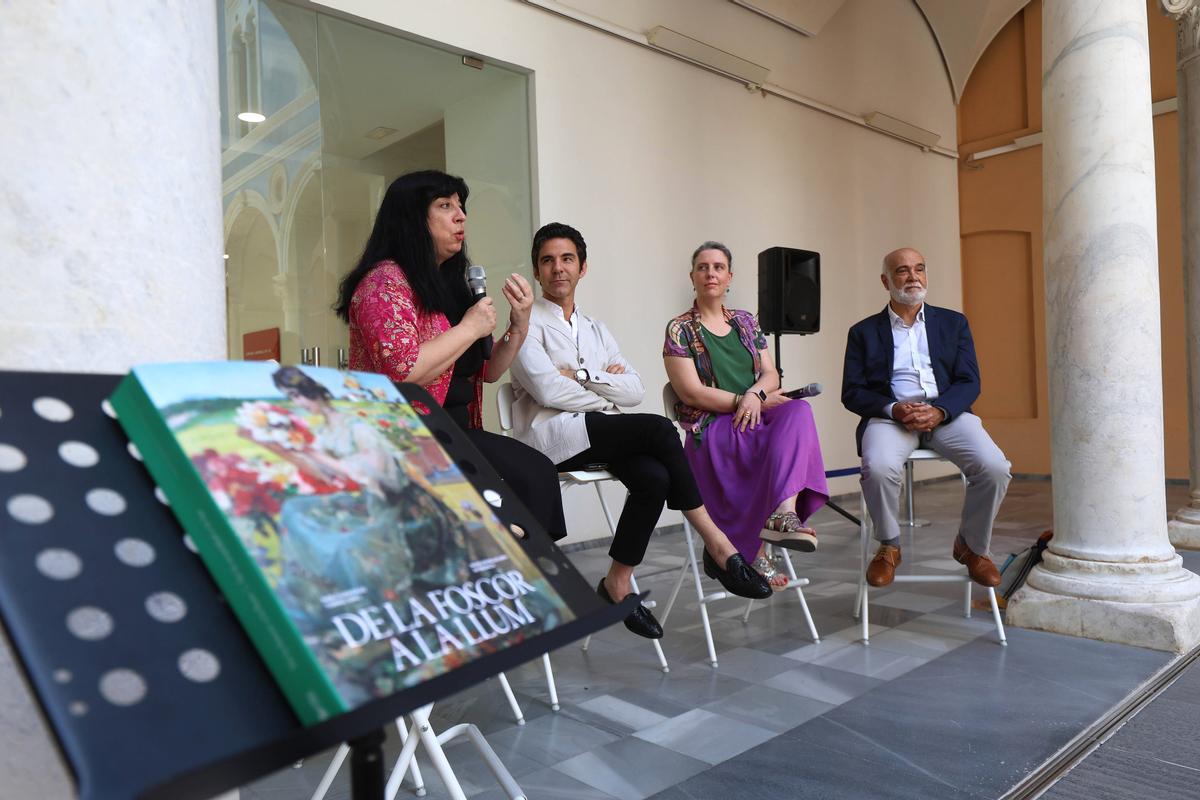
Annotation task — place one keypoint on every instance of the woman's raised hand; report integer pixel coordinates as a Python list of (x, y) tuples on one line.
[(480, 318), (520, 297)]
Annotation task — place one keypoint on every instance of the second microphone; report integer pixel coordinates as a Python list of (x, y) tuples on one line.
[(477, 281)]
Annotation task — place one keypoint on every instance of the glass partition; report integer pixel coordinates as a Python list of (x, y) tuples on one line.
[(343, 110)]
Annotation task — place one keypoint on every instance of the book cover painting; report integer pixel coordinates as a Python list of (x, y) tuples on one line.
[(386, 560)]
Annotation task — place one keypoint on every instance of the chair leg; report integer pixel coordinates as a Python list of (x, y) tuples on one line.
[(550, 682), (996, 617), (508, 784), (674, 594), (512, 699), (612, 526), (608, 517), (585, 644), (694, 564), (433, 750), (864, 535), (791, 570), (397, 776), (658, 651), (908, 494), (662, 659), (331, 771), (967, 599)]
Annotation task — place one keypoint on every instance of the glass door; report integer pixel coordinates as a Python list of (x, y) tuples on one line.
[(345, 110)]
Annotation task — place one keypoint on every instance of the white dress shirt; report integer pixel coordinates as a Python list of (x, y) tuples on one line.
[(548, 407), (912, 368)]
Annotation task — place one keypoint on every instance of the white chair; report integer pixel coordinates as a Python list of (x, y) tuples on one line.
[(422, 734), (692, 565), (566, 480), (861, 600)]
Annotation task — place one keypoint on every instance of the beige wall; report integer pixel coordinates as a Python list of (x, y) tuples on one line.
[(649, 156), (1001, 210)]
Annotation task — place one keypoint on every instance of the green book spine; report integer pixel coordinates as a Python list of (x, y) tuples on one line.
[(312, 695)]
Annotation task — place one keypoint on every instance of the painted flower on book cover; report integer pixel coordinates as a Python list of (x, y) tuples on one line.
[(268, 423)]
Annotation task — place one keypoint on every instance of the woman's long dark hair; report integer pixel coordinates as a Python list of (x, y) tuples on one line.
[(401, 234)]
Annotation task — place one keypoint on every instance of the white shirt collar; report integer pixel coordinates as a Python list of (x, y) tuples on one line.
[(555, 309), (897, 320)]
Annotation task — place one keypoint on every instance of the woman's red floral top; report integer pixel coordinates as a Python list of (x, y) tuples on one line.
[(388, 327)]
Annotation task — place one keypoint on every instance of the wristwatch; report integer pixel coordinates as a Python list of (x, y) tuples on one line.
[(582, 376), (761, 395)]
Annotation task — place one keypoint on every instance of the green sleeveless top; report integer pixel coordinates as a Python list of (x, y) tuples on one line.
[(732, 364)]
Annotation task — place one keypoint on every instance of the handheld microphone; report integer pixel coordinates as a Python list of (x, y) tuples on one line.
[(812, 390), (477, 281)]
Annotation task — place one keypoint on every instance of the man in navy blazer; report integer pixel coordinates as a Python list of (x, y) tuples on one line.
[(911, 374)]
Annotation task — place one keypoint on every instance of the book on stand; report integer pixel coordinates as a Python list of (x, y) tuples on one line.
[(353, 549)]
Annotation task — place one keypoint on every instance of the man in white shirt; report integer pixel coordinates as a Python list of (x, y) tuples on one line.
[(570, 382), (911, 374)]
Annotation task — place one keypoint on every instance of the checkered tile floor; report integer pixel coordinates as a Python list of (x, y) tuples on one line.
[(933, 708)]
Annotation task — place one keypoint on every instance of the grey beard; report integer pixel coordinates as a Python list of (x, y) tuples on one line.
[(906, 299)]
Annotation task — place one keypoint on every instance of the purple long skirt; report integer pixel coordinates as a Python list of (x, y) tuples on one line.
[(743, 477)]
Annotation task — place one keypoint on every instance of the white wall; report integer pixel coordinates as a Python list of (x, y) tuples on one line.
[(649, 156), (110, 221)]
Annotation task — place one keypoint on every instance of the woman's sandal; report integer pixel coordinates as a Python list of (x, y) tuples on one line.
[(766, 567), (785, 529)]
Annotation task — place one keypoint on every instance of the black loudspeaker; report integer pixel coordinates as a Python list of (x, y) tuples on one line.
[(789, 290)]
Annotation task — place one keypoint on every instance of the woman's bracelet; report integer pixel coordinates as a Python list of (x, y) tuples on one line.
[(737, 400)]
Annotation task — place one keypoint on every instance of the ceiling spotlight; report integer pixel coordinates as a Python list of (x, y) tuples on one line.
[(251, 116), (227, 256)]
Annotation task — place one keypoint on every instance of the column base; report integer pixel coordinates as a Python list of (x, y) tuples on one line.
[(1184, 529), (1153, 604), (1174, 627)]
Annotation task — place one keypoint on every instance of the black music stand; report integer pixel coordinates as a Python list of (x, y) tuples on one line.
[(145, 677)]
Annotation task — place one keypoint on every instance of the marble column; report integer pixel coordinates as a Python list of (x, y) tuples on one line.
[(1110, 572), (1184, 529), (110, 225)]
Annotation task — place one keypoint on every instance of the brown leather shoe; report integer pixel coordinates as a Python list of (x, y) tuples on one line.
[(980, 568), (882, 568)]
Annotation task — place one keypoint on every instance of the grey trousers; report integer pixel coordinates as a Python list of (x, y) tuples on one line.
[(886, 445)]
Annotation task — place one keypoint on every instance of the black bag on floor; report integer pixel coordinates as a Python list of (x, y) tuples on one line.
[(1016, 568)]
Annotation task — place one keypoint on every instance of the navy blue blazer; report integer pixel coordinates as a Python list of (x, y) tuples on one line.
[(867, 372)]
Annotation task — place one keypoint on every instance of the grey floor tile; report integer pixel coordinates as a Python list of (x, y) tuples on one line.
[(908, 600), (706, 736), (827, 685), (548, 740), (870, 661), (768, 708), (1111, 774), (964, 724), (980, 701), (694, 685), (647, 697), (788, 770), (621, 714), (631, 769), (549, 784), (1167, 730), (813, 651), (913, 643), (473, 772), (752, 665)]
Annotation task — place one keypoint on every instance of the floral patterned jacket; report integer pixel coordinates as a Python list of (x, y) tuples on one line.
[(388, 327), (684, 340)]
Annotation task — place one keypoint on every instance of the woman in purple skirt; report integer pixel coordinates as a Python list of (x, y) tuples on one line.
[(754, 451)]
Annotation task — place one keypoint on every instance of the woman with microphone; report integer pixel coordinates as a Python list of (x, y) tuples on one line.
[(754, 450), (413, 318)]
